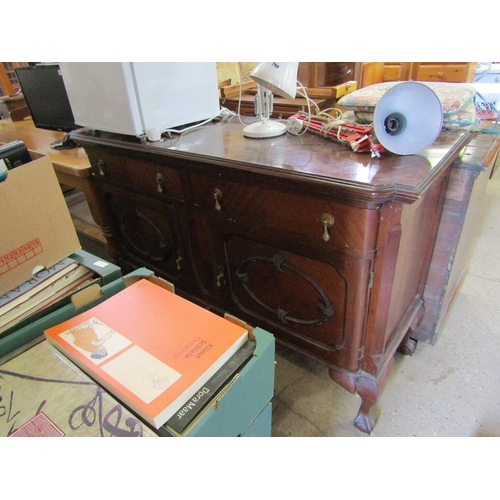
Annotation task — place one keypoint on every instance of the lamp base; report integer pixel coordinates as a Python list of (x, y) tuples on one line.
[(264, 130)]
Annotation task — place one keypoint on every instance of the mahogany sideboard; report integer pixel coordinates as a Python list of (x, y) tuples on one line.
[(326, 248)]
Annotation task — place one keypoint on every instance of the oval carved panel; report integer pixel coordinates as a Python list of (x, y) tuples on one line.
[(154, 247), (325, 309)]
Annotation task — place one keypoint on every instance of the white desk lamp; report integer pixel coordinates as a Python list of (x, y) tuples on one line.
[(277, 77)]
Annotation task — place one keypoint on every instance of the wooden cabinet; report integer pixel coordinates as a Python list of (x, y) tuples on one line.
[(145, 218), (456, 72), (396, 71), (368, 73), (8, 79), (325, 84), (325, 74), (11, 105), (282, 108), (461, 210), (327, 249)]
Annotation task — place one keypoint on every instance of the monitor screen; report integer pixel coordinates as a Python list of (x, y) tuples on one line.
[(44, 91)]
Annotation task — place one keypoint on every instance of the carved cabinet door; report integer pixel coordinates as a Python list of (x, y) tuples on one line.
[(206, 272), (306, 296), (146, 233)]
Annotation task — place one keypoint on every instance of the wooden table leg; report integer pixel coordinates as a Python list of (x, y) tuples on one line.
[(96, 206)]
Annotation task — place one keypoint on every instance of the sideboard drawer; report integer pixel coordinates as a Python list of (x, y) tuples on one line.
[(153, 177), (441, 72), (332, 223)]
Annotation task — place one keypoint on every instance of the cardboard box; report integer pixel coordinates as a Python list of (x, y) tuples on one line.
[(36, 226), (36, 232)]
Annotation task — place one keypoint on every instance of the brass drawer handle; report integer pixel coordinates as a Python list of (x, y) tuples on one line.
[(327, 220), (101, 165), (159, 183), (217, 196)]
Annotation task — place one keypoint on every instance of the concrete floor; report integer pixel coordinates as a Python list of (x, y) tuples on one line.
[(448, 389)]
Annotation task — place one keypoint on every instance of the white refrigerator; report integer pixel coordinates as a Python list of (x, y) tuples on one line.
[(140, 98)]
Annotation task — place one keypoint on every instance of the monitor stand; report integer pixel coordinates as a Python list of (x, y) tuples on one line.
[(66, 143)]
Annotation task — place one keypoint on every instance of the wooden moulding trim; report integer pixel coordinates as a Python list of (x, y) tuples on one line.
[(355, 191), (350, 190)]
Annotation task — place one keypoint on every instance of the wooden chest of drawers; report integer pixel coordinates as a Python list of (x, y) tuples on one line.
[(327, 249)]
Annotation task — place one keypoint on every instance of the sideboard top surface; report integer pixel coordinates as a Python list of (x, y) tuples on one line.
[(308, 156)]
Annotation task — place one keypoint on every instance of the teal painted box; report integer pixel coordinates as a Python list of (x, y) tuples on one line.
[(243, 406), (261, 426), (245, 401)]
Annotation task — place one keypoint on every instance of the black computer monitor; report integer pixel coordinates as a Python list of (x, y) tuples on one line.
[(45, 94)]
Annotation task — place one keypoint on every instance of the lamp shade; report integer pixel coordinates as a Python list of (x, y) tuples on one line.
[(408, 118), (278, 77)]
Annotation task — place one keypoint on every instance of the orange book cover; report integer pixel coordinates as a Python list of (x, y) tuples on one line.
[(148, 347)]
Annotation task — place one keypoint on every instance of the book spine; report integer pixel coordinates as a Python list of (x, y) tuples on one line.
[(192, 408), (66, 282), (18, 294)]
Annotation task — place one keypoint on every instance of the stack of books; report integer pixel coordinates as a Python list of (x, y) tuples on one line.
[(160, 355), (42, 289)]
